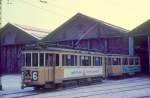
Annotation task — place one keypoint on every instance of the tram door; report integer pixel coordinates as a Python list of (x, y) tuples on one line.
[(52, 60), (107, 66)]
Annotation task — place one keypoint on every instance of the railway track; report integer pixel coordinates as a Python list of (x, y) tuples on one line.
[(35, 92), (99, 91), (116, 90)]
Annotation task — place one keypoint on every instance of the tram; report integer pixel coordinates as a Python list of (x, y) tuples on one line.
[(54, 67)]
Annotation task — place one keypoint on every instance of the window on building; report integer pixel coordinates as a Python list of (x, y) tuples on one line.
[(28, 59), (97, 61), (41, 59), (85, 60), (35, 59)]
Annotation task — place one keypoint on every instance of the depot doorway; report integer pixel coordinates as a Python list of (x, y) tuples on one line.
[(141, 49)]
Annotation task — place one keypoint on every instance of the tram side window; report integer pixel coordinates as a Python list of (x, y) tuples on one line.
[(131, 61), (28, 59), (69, 60), (85, 60), (52, 59), (97, 61), (57, 60), (116, 61), (41, 59), (109, 61), (23, 60), (35, 59), (48, 59), (137, 61), (124, 61)]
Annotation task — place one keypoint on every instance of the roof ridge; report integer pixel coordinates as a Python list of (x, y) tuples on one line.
[(101, 21), (32, 28)]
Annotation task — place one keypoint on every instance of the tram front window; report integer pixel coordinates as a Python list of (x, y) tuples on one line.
[(28, 59)]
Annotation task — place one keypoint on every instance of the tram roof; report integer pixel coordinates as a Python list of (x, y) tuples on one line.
[(58, 49), (72, 50)]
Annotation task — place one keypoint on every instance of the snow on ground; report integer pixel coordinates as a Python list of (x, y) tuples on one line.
[(127, 88), (124, 88), (12, 84)]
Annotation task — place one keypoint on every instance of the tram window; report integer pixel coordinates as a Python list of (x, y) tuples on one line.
[(109, 61), (41, 59), (28, 59), (124, 61), (69, 60), (64, 60), (137, 61), (34, 59), (97, 61), (131, 61), (85, 60), (52, 59), (23, 60), (57, 60), (116, 61), (48, 59)]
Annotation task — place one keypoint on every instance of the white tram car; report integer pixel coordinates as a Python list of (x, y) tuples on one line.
[(56, 66)]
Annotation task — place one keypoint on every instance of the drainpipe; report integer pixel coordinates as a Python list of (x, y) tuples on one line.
[(0, 83), (149, 51), (131, 46), (0, 68), (0, 45)]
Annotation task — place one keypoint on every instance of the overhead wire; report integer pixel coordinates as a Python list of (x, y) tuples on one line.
[(44, 9)]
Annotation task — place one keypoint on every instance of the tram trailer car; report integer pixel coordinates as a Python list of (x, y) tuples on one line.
[(119, 65), (55, 67)]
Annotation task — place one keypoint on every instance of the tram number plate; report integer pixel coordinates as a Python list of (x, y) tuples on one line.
[(34, 75)]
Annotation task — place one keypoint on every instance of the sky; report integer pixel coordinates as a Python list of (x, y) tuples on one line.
[(124, 13)]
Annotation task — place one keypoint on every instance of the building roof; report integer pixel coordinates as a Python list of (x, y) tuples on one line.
[(20, 34), (35, 32), (84, 27), (143, 29)]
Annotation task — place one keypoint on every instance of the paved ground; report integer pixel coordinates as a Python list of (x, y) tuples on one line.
[(135, 87)]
